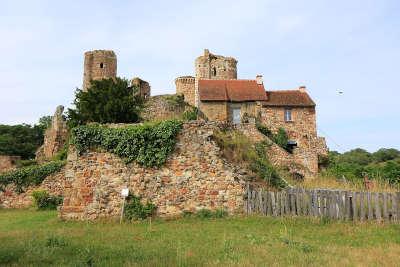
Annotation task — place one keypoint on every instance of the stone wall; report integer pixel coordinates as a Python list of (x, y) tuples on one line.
[(99, 64), (8, 163), (53, 184), (186, 86), (210, 66), (160, 108), (194, 177), (54, 137), (143, 87), (214, 111)]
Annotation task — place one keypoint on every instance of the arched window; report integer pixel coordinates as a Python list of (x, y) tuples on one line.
[(214, 71), (101, 65)]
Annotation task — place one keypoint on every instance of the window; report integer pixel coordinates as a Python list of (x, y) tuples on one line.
[(101, 65), (288, 114), (214, 71)]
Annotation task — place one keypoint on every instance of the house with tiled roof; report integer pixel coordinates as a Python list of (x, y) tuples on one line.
[(220, 96)]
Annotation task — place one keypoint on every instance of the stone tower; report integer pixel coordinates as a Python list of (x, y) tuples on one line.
[(99, 64), (185, 86), (209, 66)]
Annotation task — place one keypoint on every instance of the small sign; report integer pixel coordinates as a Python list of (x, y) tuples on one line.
[(125, 192)]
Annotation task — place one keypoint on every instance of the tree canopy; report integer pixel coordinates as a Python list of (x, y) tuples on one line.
[(106, 101)]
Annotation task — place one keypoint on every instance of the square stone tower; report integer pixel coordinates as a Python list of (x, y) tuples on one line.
[(99, 64)]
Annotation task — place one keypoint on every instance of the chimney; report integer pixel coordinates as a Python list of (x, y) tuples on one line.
[(206, 52), (259, 79), (302, 88)]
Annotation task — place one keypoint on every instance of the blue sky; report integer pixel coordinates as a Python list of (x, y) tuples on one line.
[(351, 46)]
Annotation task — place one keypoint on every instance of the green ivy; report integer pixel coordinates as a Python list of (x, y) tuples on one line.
[(135, 210), (31, 175), (148, 144)]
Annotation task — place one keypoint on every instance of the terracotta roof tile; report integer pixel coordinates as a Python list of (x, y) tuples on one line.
[(288, 98), (231, 90)]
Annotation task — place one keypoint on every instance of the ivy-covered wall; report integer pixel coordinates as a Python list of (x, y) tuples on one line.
[(194, 177)]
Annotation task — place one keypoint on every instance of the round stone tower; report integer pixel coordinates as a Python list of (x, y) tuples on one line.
[(185, 86), (209, 66), (99, 64)]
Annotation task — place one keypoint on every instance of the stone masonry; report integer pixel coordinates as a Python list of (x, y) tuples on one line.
[(194, 177), (54, 137), (99, 64)]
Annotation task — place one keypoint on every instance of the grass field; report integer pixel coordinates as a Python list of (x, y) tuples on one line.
[(32, 238)]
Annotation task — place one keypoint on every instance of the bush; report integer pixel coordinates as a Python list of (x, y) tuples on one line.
[(208, 214), (31, 175), (135, 210), (44, 201), (190, 115), (106, 101), (280, 138), (148, 144)]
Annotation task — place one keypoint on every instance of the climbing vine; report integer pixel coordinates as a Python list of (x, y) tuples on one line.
[(31, 175), (148, 144)]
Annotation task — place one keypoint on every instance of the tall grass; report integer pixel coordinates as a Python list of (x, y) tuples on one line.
[(29, 238)]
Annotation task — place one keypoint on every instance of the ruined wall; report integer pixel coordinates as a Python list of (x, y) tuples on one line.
[(194, 177), (143, 86), (54, 138), (99, 64), (53, 184), (158, 108), (210, 66), (8, 163), (215, 111), (186, 86)]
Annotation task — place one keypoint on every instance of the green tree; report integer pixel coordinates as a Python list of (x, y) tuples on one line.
[(45, 122), (385, 154), (106, 101), (20, 140)]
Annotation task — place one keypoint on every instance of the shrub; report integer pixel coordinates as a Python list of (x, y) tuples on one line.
[(44, 201), (148, 144), (31, 175), (208, 214), (190, 115), (280, 138), (135, 210)]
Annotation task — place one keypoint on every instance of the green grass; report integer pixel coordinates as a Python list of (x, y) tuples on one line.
[(33, 238)]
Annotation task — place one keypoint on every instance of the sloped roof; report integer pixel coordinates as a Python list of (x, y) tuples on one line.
[(231, 90), (295, 98)]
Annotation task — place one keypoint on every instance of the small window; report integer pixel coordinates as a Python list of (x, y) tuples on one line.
[(101, 65), (288, 114), (214, 71)]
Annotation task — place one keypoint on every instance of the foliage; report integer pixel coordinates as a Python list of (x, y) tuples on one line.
[(20, 140), (353, 165), (45, 122), (31, 175), (280, 138), (208, 214), (148, 144), (239, 149), (106, 101), (190, 115), (175, 101), (25, 163), (44, 201), (135, 210)]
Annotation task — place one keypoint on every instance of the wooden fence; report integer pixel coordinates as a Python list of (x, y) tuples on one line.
[(334, 204)]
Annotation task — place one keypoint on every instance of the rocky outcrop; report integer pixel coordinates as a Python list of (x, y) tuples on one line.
[(194, 177), (54, 137)]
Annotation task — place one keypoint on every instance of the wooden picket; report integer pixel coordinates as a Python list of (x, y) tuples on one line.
[(334, 204)]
